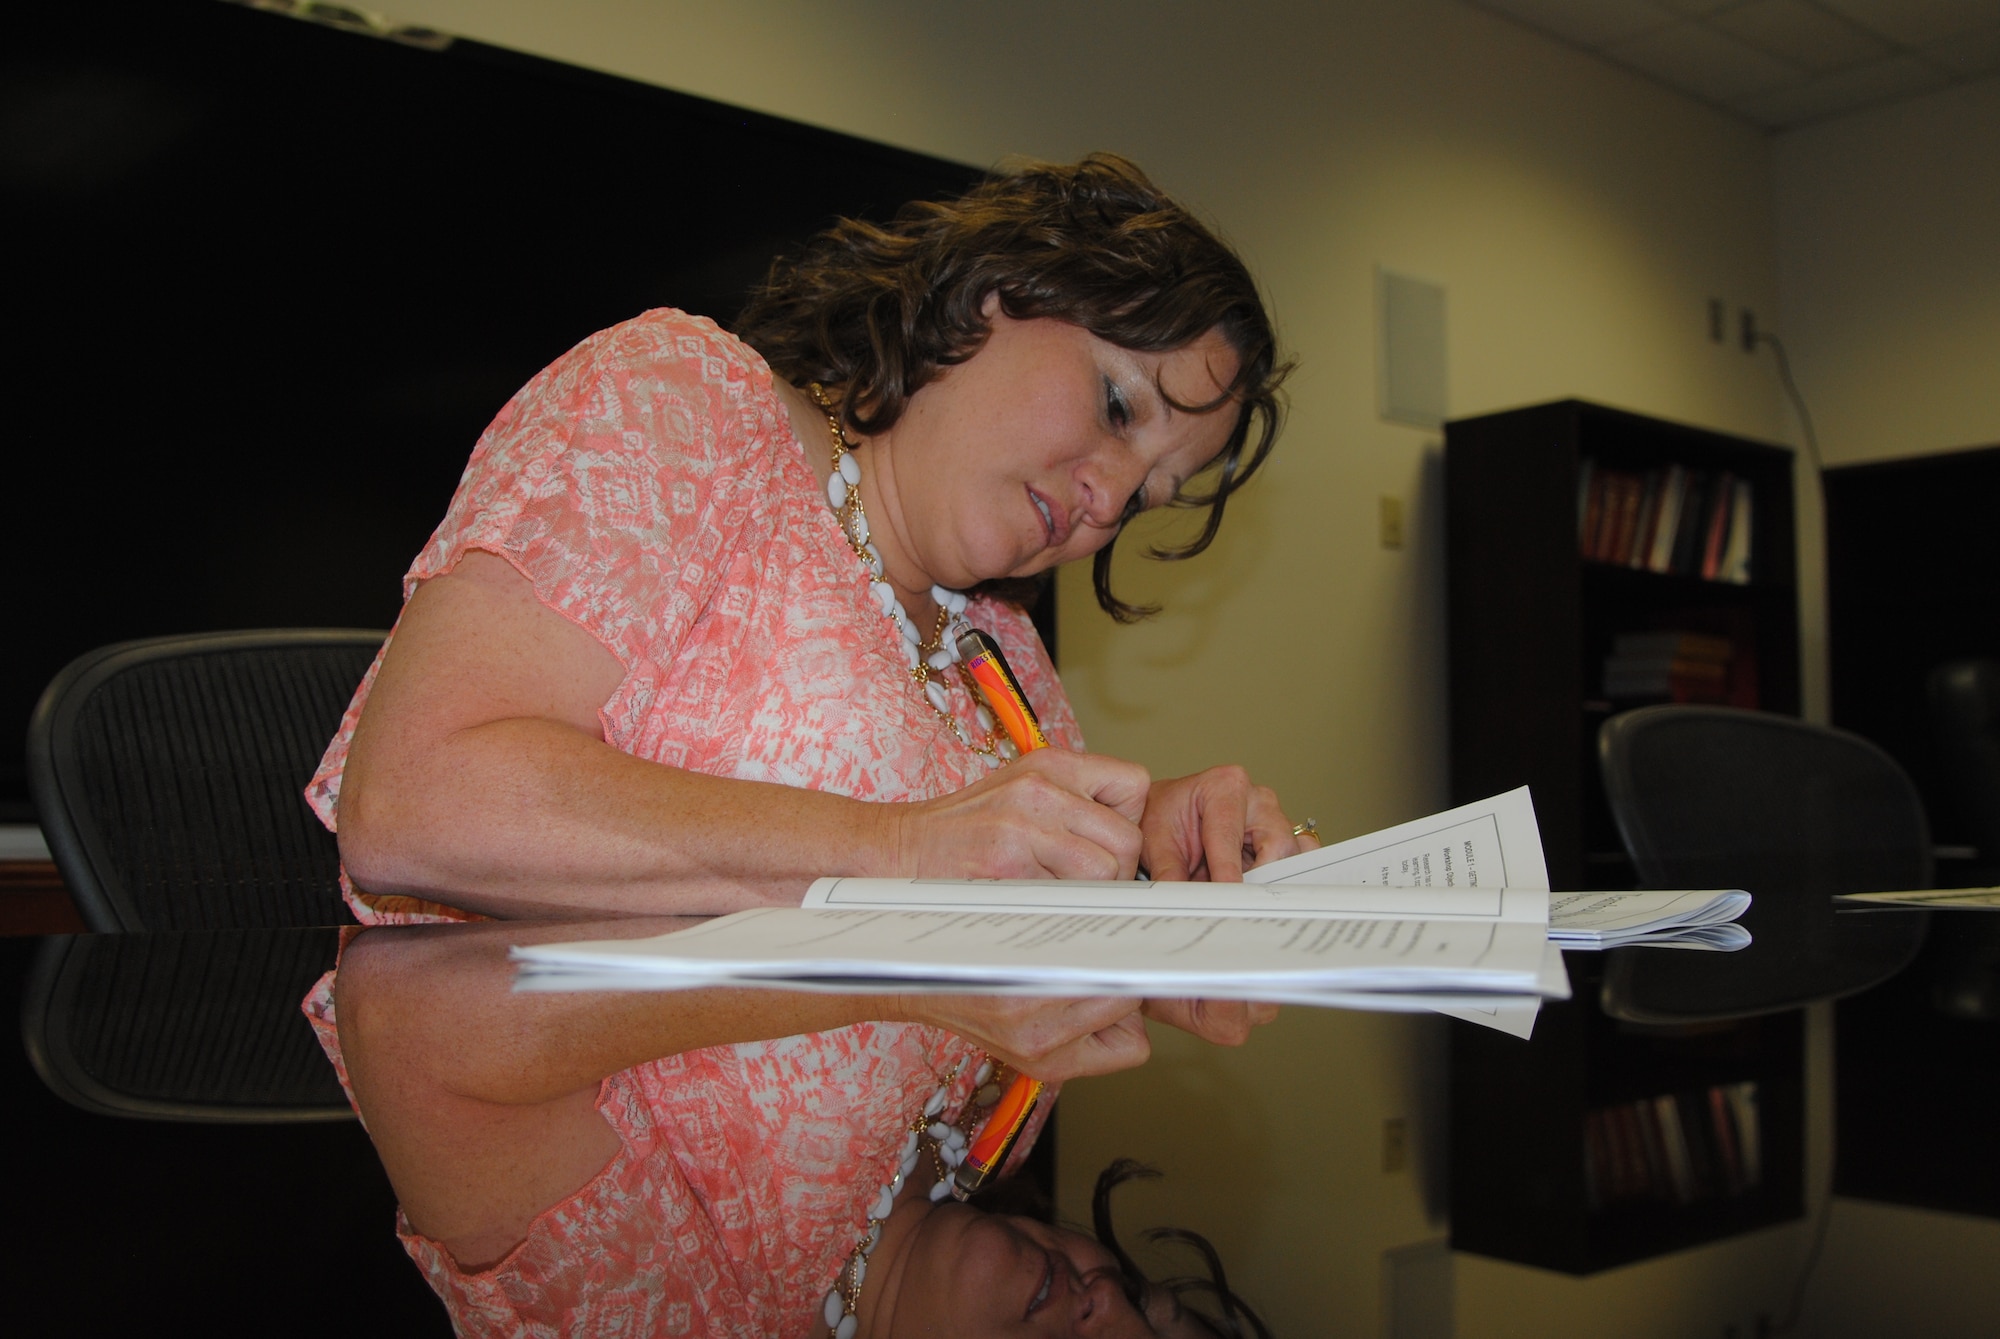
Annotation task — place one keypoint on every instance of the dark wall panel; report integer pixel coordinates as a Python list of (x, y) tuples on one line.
[(267, 281)]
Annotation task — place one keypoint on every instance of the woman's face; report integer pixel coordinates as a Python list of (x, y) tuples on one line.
[(1025, 456), (975, 1274)]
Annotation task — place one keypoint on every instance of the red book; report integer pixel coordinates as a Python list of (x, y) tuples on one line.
[(1594, 508), (1719, 512), (1625, 517)]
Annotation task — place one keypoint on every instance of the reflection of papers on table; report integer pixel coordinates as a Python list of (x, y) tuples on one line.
[(1943, 899), (1299, 959), (1687, 919)]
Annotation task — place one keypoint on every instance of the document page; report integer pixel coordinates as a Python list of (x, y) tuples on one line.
[(1079, 897), (1478, 845), (1491, 844), (1061, 954)]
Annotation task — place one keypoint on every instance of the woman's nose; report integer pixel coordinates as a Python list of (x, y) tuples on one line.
[(1110, 476), (1102, 1310)]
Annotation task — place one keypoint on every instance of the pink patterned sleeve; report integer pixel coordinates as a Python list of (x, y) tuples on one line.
[(617, 481)]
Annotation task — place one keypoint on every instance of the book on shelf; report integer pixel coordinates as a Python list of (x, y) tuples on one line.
[(1694, 516), (1671, 665), (1735, 565), (1670, 520), (1673, 643), (1666, 522), (1675, 1148)]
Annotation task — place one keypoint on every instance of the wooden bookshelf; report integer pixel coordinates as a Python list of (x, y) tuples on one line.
[(1520, 1118), (1532, 621)]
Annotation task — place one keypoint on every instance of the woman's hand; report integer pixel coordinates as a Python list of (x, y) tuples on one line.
[(1052, 814), (1224, 1022), (1212, 826), (1054, 1040)]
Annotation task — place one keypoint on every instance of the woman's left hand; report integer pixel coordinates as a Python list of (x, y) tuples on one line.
[(1224, 1022), (1212, 826)]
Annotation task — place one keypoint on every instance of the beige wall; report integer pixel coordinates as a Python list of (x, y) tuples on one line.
[(1580, 219)]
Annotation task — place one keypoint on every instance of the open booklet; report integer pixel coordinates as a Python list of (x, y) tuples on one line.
[(1449, 913), (1468, 936)]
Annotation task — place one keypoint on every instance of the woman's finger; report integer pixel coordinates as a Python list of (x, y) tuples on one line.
[(1122, 1045), (1268, 832)]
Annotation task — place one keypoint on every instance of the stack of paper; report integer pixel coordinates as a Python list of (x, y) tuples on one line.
[(1450, 913), (1688, 919)]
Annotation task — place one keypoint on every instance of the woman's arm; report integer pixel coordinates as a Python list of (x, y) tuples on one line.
[(479, 777), (482, 1102)]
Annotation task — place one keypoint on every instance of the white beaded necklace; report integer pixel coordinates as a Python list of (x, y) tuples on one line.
[(946, 1141), (930, 659)]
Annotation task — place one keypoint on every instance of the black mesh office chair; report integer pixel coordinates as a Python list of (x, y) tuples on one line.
[(1714, 797), (168, 773), (199, 1026)]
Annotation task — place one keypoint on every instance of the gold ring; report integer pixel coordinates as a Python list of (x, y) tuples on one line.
[(1309, 828)]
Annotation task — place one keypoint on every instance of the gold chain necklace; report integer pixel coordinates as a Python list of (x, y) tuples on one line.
[(930, 657)]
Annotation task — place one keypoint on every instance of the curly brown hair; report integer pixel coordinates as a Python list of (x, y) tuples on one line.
[(879, 310)]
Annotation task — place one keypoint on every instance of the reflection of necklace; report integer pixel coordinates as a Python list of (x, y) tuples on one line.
[(946, 1142), (930, 658)]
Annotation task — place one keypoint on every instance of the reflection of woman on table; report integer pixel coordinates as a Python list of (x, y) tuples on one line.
[(607, 1164)]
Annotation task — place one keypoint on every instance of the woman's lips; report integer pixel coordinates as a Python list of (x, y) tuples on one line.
[(1055, 518), (1046, 1288)]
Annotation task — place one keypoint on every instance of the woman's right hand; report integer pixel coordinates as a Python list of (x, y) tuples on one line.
[(1052, 814), (1054, 1040)]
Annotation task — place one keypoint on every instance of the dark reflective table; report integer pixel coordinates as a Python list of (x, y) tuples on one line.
[(182, 1157), (120, 1225)]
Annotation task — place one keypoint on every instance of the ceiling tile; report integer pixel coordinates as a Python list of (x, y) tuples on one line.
[(1703, 62), (1918, 22), (1802, 34), (1863, 86), (1970, 54), (1587, 23)]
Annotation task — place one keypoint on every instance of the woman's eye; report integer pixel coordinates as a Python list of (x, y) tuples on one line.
[(1116, 407)]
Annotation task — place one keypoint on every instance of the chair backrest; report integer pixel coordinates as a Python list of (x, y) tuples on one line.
[(168, 777), (1715, 797), (184, 1027), (1964, 699)]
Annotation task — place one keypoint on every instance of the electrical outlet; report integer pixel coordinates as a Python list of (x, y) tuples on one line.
[(1747, 323), (1718, 320), (1391, 513)]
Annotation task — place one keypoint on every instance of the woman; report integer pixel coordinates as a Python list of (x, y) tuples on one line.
[(738, 1209), (682, 642), (644, 667)]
